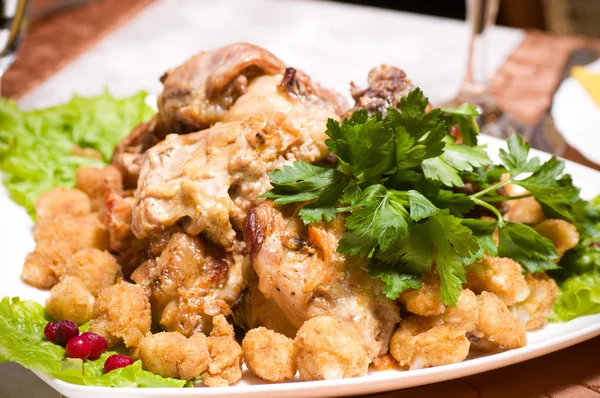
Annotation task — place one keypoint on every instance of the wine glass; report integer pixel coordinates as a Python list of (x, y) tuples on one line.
[(12, 26), (481, 17)]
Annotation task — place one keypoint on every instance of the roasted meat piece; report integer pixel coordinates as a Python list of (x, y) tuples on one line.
[(387, 85), (209, 179), (190, 283), (253, 309), (198, 93), (299, 268)]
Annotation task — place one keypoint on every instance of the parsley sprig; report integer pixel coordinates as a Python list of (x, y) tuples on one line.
[(400, 181)]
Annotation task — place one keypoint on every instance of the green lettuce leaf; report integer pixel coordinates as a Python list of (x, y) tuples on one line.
[(36, 146), (579, 295), (22, 341)]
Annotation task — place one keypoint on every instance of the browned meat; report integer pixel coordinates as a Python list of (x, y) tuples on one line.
[(129, 154), (198, 93), (253, 309), (190, 283), (129, 250), (209, 179), (299, 269), (386, 86)]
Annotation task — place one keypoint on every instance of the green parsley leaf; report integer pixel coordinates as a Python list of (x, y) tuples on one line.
[(465, 158), (524, 245), (457, 203), (554, 191), (303, 182), (395, 282), (454, 243), (438, 170), (456, 248), (516, 158), (377, 216), (483, 231), (455, 159), (365, 145), (465, 117), (420, 206)]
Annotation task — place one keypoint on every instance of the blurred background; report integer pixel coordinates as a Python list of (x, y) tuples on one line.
[(508, 57), (580, 17)]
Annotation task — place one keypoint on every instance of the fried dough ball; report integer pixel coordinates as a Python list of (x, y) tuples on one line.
[(524, 211), (97, 269), (329, 349), (61, 201), (537, 307), (498, 275), (225, 366), (401, 344), (269, 355), (122, 313), (561, 233), (171, 354), (96, 182), (426, 300), (465, 313), (70, 300), (60, 237), (441, 345), (496, 326), (417, 347), (37, 272)]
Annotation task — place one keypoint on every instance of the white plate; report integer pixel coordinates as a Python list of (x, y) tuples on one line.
[(577, 116), (16, 229)]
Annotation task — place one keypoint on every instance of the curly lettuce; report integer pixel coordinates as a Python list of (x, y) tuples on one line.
[(579, 275), (22, 341), (579, 295), (36, 147)]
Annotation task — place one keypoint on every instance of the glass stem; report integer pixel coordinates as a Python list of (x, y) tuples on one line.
[(481, 16)]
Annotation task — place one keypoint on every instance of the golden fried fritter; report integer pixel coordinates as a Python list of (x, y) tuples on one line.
[(70, 300), (418, 347), (37, 272), (95, 182), (524, 211), (225, 367), (497, 326), (426, 300), (329, 349), (498, 275), (122, 313), (269, 355), (97, 269), (465, 313), (561, 233), (537, 307), (62, 201), (171, 354), (60, 237)]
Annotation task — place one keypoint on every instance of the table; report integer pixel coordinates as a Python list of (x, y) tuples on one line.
[(323, 40)]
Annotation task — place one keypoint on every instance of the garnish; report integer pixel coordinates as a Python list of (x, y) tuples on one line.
[(22, 340), (39, 148), (399, 180)]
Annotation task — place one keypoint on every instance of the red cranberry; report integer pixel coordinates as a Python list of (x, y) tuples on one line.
[(99, 344), (79, 347), (49, 330), (117, 361), (65, 331), (595, 244)]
